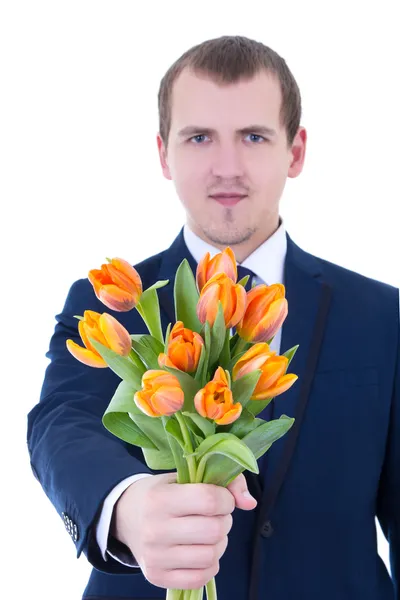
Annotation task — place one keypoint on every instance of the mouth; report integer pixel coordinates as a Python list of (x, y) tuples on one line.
[(228, 199)]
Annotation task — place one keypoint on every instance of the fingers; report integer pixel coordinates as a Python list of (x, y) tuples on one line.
[(197, 499), (243, 499), (195, 530), (188, 557)]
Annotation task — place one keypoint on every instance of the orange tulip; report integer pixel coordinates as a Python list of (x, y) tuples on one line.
[(215, 400), (232, 296), (117, 285), (273, 381), (161, 394), (252, 360), (223, 262), (184, 349), (267, 308), (101, 328)]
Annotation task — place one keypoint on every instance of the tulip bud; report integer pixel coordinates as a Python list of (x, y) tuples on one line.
[(266, 310), (104, 329), (117, 285), (184, 349), (232, 297), (161, 394), (223, 262), (253, 359), (273, 381), (215, 400)]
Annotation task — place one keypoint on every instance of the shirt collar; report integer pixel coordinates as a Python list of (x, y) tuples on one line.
[(267, 262)]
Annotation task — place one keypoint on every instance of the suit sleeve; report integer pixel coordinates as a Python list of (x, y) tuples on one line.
[(76, 460), (388, 507)]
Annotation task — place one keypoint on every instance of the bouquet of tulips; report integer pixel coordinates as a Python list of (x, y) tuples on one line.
[(190, 398)]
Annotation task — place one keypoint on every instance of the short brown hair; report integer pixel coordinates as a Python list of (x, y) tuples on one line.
[(228, 59)]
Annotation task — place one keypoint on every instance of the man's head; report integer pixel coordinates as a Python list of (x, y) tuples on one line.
[(229, 137)]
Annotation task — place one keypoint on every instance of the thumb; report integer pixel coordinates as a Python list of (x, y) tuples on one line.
[(239, 490)]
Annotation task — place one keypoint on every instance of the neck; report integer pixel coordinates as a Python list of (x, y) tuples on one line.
[(245, 248)]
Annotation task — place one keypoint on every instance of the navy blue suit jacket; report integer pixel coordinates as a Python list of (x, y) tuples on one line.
[(312, 535)]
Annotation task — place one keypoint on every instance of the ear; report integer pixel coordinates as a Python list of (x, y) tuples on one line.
[(298, 152), (163, 157)]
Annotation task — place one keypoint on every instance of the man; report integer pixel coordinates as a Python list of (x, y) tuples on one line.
[(229, 137)]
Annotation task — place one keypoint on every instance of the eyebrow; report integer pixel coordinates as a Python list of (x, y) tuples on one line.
[(193, 130)]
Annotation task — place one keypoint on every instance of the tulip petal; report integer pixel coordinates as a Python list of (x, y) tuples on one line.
[(88, 328), (283, 384), (141, 400), (271, 322), (116, 299), (167, 400), (231, 415), (253, 359), (128, 271), (207, 306), (240, 306), (165, 361), (199, 403), (117, 337), (85, 356), (201, 271)]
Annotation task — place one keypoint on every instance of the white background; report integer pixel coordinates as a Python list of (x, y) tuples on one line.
[(80, 181)]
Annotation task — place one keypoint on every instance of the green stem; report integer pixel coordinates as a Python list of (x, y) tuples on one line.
[(188, 445), (211, 590), (174, 595), (201, 468), (152, 324)]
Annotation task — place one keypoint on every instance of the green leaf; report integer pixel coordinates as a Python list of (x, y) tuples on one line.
[(222, 470), (267, 433), (148, 348), (225, 356), (183, 475), (189, 386), (149, 309), (257, 406), (121, 365), (243, 388), (206, 427), (202, 365), (218, 332), (167, 334), (244, 280), (186, 297), (117, 420), (173, 428), (157, 285), (153, 428), (290, 354), (159, 460), (229, 446)]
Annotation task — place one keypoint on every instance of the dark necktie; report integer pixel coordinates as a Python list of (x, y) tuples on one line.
[(267, 413), (242, 272)]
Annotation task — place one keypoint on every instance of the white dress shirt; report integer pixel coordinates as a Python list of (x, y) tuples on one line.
[(267, 263)]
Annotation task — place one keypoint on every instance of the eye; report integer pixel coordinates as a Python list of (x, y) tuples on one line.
[(254, 137), (198, 139)]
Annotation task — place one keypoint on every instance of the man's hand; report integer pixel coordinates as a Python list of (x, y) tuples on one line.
[(178, 532)]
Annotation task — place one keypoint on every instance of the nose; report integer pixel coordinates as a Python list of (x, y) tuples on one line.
[(227, 161)]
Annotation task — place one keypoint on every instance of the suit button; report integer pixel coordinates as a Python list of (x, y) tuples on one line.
[(267, 529)]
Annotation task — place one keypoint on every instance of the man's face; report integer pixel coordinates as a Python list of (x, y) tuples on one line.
[(229, 170)]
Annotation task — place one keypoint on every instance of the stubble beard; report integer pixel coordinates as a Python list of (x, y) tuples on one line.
[(229, 234)]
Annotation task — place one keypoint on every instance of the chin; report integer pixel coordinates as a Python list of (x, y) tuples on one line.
[(228, 235)]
